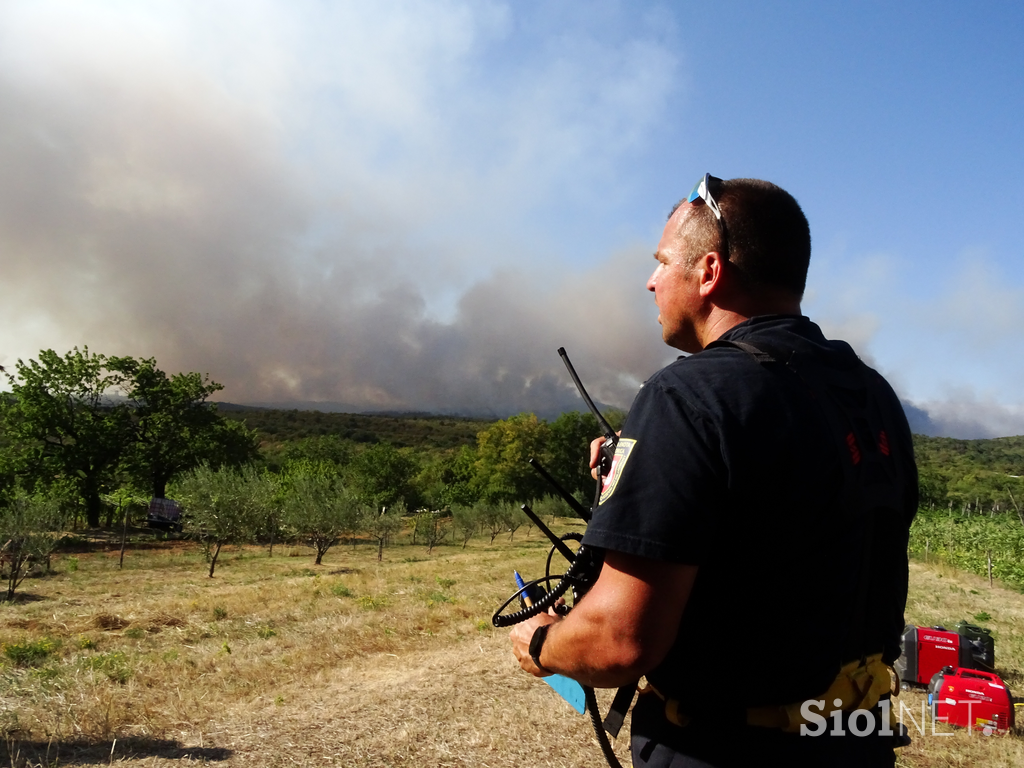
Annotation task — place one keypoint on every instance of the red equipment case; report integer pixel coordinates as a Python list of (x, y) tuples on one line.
[(972, 699), (927, 650)]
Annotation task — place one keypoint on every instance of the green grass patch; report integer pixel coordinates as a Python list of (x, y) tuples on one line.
[(114, 665), (372, 602), (31, 652)]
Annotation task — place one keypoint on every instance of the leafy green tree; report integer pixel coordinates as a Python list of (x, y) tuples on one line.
[(318, 507), (271, 495), (62, 423), (466, 522), (932, 488), (430, 529), (567, 455), (175, 428), (322, 448), (222, 506), (30, 524), (499, 517), (458, 479), (504, 449), (515, 519), (383, 524), (121, 501), (382, 475)]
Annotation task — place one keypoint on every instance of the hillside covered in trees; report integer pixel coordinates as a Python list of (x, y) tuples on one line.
[(971, 475), (86, 441), (405, 431)]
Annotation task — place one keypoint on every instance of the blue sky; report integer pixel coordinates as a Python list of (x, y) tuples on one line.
[(410, 205)]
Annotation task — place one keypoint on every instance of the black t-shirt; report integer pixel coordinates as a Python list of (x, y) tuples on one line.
[(729, 464)]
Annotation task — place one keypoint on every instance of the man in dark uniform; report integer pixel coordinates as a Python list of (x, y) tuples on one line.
[(754, 523)]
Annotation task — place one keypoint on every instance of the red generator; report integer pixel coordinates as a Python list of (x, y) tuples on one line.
[(927, 650), (972, 699)]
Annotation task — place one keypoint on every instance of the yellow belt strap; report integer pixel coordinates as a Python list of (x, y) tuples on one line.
[(859, 685)]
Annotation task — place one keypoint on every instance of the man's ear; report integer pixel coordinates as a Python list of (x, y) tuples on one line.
[(712, 273)]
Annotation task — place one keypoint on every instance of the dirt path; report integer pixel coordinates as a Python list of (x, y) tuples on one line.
[(466, 705)]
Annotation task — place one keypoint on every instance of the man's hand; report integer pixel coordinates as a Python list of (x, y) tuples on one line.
[(622, 628), (522, 634), (595, 454)]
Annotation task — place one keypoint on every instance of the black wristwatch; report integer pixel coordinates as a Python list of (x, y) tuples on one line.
[(540, 634)]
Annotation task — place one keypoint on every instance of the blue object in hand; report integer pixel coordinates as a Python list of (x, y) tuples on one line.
[(564, 686)]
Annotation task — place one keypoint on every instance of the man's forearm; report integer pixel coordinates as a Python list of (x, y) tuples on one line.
[(588, 647), (621, 629)]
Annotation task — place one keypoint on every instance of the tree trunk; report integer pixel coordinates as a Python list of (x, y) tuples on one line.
[(124, 533), (213, 560), (93, 506)]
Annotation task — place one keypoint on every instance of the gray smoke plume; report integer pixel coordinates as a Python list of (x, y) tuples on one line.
[(388, 205), (358, 247)]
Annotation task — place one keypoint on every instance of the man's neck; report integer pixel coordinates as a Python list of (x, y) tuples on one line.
[(721, 320)]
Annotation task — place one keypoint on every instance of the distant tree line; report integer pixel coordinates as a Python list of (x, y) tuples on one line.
[(84, 438), (278, 427), (971, 477)]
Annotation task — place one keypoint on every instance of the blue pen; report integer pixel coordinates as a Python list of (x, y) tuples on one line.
[(522, 586)]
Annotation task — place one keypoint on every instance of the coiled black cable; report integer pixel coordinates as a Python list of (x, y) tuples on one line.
[(595, 719), (580, 575)]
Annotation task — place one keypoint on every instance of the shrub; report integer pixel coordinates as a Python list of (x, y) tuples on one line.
[(114, 665), (31, 652), (28, 523), (372, 602)]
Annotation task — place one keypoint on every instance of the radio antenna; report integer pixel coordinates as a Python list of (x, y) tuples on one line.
[(602, 422)]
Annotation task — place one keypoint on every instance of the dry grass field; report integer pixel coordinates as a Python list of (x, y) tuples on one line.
[(274, 662)]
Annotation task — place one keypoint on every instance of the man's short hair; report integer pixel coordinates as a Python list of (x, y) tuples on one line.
[(767, 239)]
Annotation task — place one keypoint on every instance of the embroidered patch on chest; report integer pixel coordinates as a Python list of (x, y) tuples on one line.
[(622, 451)]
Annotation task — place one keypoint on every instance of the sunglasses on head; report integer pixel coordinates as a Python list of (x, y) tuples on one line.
[(702, 191)]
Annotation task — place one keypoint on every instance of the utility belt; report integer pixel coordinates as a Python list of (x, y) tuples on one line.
[(859, 685)]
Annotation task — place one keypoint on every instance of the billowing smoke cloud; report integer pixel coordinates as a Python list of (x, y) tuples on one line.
[(965, 417), (384, 205), (324, 204)]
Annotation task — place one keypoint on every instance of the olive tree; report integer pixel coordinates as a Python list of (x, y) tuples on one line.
[(318, 507), (466, 522), (430, 528), (221, 507), (30, 524), (382, 525)]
